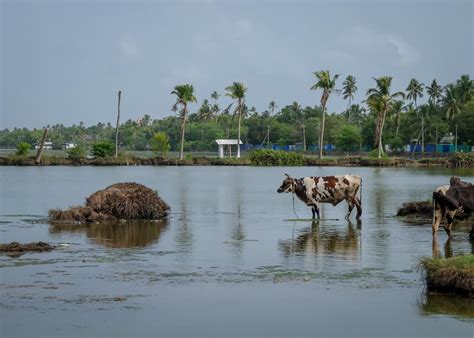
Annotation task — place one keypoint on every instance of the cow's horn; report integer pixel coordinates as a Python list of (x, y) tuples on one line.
[(287, 175)]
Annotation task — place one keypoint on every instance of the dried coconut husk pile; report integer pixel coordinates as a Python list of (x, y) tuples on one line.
[(118, 201), (423, 208), (15, 247)]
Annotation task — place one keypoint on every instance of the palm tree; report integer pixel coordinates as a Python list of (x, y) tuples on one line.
[(452, 101), (300, 120), (205, 112), (215, 107), (117, 126), (415, 91), (184, 96), (380, 100), (465, 88), (327, 84), (397, 108), (237, 92), (434, 91), (272, 106), (349, 87)]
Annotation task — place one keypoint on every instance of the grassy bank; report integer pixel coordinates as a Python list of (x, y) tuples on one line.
[(450, 275), (299, 160)]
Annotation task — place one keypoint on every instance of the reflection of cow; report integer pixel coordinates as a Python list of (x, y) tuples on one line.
[(327, 189), (458, 198)]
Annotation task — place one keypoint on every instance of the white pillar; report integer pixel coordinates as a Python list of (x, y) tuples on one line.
[(221, 151)]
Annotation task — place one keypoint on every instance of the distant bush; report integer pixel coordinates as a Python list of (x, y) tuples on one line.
[(461, 159), (160, 144), (22, 148), (374, 153), (348, 138), (266, 157), (76, 153), (103, 149)]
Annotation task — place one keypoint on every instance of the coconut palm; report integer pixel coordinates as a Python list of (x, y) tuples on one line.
[(237, 92), (205, 112), (434, 91), (415, 91), (380, 101), (326, 84), (349, 87), (465, 88), (272, 106), (397, 108), (184, 96), (451, 101), (215, 107)]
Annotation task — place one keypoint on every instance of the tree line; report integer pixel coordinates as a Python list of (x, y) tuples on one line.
[(385, 116)]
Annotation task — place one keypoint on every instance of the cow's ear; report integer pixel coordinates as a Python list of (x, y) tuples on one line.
[(287, 176)]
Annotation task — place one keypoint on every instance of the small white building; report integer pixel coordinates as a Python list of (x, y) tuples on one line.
[(229, 143), (69, 145), (47, 145)]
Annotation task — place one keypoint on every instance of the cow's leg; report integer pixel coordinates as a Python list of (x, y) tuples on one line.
[(315, 211), (449, 221), (350, 204), (437, 217), (358, 206)]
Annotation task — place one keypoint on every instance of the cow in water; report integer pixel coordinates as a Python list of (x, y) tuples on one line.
[(444, 205), (327, 189)]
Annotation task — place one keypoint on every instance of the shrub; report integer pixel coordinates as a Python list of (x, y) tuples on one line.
[(103, 149), (76, 153), (160, 144), (461, 159), (22, 148), (267, 157), (348, 138), (374, 153)]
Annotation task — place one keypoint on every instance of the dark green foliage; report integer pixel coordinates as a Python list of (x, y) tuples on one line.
[(276, 158), (160, 144), (76, 153), (348, 138), (103, 149), (22, 148)]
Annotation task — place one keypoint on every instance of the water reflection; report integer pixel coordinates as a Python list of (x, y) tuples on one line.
[(448, 250), (446, 305), (324, 239), (118, 234)]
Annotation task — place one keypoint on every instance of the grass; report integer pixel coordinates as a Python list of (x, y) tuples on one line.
[(451, 275)]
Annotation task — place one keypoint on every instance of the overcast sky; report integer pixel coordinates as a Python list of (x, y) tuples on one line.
[(64, 61)]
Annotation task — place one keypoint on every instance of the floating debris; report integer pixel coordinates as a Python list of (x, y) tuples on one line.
[(17, 249)]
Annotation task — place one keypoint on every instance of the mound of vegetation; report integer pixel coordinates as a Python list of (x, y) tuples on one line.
[(451, 275), (118, 201), (265, 157), (15, 247), (424, 208)]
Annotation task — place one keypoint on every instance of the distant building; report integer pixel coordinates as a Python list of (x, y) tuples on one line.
[(230, 142), (69, 145), (47, 145)]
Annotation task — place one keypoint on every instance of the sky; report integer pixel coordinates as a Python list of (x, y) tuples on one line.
[(64, 61)]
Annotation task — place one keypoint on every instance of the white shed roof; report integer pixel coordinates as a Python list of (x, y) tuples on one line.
[(227, 142)]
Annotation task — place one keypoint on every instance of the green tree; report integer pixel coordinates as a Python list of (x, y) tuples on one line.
[(326, 84), (76, 153), (22, 148), (348, 138), (160, 144), (349, 87), (237, 92), (380, 101), (205, 112), (434, 91), (465, 88), (103, 149), (184, 96), (451, 101)]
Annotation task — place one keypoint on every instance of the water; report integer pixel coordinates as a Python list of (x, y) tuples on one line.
[(229, 262)]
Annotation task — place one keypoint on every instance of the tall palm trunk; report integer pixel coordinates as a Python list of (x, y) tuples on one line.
[(40, 150), (117, 125), (183, 129), (238, 132), (382, 123), (398, 124), (304, 137), (321, 134)]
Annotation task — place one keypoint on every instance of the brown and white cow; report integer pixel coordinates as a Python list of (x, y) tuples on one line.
[(327, 189), (446, 206)]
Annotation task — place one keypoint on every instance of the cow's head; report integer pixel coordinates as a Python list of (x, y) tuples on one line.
[(288, 185)]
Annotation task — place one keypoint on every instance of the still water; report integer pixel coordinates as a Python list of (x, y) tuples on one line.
[(232, 260)]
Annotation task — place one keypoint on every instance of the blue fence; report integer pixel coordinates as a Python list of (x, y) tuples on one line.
[(441, 148)]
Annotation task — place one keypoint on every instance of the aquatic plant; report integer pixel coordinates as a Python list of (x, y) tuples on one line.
[(452, 275)]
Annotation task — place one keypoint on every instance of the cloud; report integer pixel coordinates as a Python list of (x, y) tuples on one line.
[(128, 46), (243, 27), (408, 54)]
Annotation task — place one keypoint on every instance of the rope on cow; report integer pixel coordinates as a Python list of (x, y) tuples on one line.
[(294, 210)]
